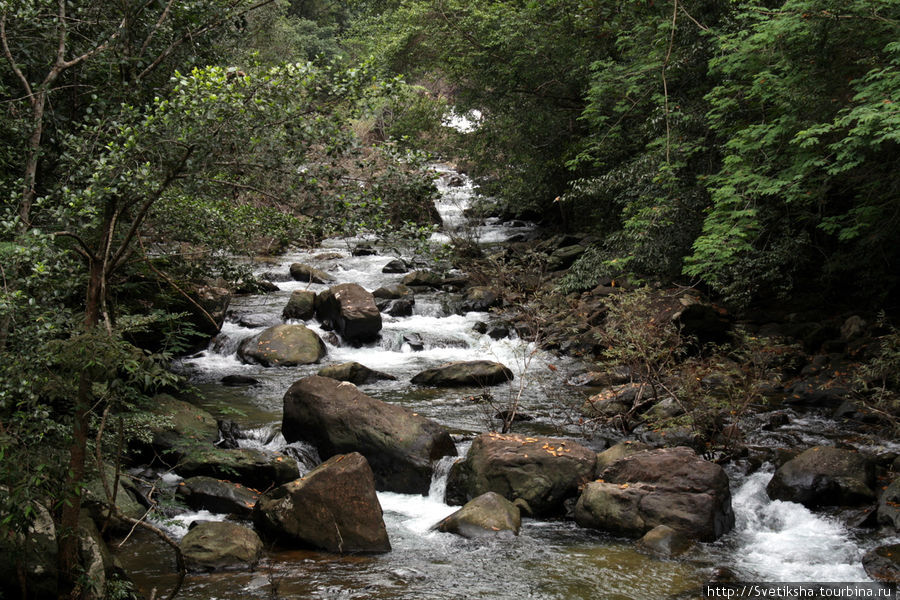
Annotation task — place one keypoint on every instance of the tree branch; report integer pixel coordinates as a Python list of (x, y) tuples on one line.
[(12, 61), (85, 250)]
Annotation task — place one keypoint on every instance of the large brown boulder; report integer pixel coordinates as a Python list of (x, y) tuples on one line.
[(216, 495), (825, 476), (257, 469), (488, 515), (218, 545), (333, 507), (464, 373), (537, 473), (283, 346), (351, 311), (670, 486), (337, 418), (301, 305)]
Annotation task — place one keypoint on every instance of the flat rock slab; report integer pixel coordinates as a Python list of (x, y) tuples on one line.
[(333, 507), (464, 373), (337, 418), (537, 471)]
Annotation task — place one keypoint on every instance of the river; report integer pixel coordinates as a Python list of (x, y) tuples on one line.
[(772, 541)]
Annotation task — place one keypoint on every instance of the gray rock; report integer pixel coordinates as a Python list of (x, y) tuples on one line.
[(283, 346), (825, 476), (215, 495), (464, 373), (301, 305), (257, 469), (395, 266), (351, 311), (423, 279), (488, 515), (883, 563), (301, 272), (220, 545), (665, 542), (354, 373), (333, 507), (889, 505)]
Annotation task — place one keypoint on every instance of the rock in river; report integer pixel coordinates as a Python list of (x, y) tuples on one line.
[(354, 372), (464, 373), (333, 507), (283, 346), (301, 272), (351, 311), (215, 545), (336, 417), (488, 515), (825, 476)]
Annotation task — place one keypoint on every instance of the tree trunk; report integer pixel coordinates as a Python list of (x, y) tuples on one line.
[(69, 568)]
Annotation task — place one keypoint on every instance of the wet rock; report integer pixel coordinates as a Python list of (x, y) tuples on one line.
[(825, 476), (239, 380), (301, 272), (329, 256), (333, 507), (215, 301), (464, 373), (488, 515), (277, 277), (480, 327), (543, 472), (179, 426), (415, 341), (889, 505), (664, 410), (563, 257), (395, 266), (518, 417), (301, 305), (670, 486), (665, 542), (423, 279), (618, 452), (393, 292), (615, 376), (220, 545), (402, 307), (95, 502), (351, 311), (883, 563), (776, 420), (354, 373), (818, 390), (479, 299), (498, 332), (615, 400), (216, 495), (364, 250), (258, 469), (336, 417), (229, 434), (283, 346)]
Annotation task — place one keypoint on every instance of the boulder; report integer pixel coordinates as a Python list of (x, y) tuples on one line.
[(423, 279), (179, 426), (402, 307), (363, 250), (825, 476), (300, 306), (94, 559), (283, 346), (498, 332), (618, 452), (464, 373), (665, 542), (336, 417), (616, 400), (215, 301), (889, 505), (479, 299), (393, 292), (301, 272), (354, 372), (350, 311), (562, 258), (333, 507), (541, 472), (258, 469), (95, 503), (239, 380), (38, 554), (395, 266), (218, 545), (216, 495), (883, 563), (670, 486), (704, 323), (488, 515)]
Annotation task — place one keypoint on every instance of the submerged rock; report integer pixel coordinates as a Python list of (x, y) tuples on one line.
[(541, 472), (218, 545), (825, 476), (354, 372), (665, 542), (351, 311), (283, 346), (670, 486), (464, 373), (333, 507), (336, 417), (488, 515)]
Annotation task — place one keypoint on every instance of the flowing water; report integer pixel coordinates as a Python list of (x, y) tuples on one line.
[(772, 541)]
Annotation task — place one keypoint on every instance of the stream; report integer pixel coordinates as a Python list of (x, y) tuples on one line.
[(772, 540)]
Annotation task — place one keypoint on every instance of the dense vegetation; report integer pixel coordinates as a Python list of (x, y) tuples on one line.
[(751, 147)]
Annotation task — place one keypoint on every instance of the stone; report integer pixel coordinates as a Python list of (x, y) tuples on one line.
[(333, 507), (883, 563), (562, 258), (704, 323), (423, 279), (39, 557), (300, 306), (363, 250), (464, 373), (217, 496), (337, 418), (96, 503), (669, 486), (543, 472), (351, 311), (354, 373), (179, 426), (498, 332), (616, 400), (395, 266), (220, 545), (618, 452), (301, 272), (889, 505), (393, 292), (488, 515), (283, 346), (665, 542), (479, 299), (239, 380), (402, 307), (94, 558), (825, 476), (251, 467)]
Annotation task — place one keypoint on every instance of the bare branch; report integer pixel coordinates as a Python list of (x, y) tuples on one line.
[(84, 250), (156, 27), (12, 61)]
